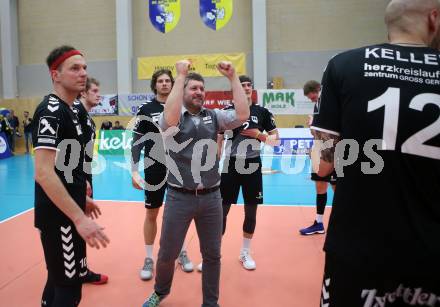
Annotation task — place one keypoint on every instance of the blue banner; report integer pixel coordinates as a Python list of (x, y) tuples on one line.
[(164, 14), (215, 13), (294, 146), (5, 151)]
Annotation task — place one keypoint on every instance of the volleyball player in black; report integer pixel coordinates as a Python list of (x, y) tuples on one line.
[(311, 90), (90, 98), (241, 152), (60, 182), (382, 103), (147, 137)]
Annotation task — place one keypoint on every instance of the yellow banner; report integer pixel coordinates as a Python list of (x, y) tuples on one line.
[(204, 64)]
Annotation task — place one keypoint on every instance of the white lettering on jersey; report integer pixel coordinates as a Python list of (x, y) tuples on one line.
[(155, 117), (78, 129), (384, 53), (410, 296)]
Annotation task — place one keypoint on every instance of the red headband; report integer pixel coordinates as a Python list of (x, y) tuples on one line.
[(63, 57)]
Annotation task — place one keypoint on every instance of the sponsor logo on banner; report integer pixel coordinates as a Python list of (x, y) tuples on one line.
[(164, 14), (108, 105), (288, 101), (294, 146), (114, 142), (129, 104), (215, 13), (204, 64)]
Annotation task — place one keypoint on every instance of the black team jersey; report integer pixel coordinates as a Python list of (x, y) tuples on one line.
[(55, 124), (146, 135), (89, 129), (260, 118), (387, 92)]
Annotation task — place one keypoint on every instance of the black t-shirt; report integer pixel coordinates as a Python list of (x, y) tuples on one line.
[(89, 130), (151, 140), (55, 123), (389, 220), (260, 118), (27, 125)]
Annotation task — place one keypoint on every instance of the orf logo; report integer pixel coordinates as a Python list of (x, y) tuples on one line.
[(3, 145)]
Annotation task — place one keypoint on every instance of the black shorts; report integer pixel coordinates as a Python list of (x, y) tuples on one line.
[(330, 178), (155, 194), (65, 254), (251, 184), (345, 286)]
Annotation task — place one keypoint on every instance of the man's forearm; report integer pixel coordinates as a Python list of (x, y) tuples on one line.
[(240, 100), (272, 139), (136, 149), (173, 104)]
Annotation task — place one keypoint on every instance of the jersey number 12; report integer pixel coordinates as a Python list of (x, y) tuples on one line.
[(415, 143)]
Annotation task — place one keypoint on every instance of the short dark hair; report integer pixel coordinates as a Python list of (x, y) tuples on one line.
[(244, 78), (311, 86), (56, 53), (193, 76), (156, 75), (91, 81)]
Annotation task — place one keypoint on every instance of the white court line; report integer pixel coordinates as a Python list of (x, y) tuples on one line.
[(136, 201), (14, 216), (141, 202)]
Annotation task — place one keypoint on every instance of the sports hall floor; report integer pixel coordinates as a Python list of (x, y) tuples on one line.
[(289, 266)]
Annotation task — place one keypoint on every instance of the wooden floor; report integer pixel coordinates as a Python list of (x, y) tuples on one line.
[(289, 266)]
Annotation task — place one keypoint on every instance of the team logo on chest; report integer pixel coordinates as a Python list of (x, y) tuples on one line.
[(48, 127), (254, 119), (207, 120), (155, 117)]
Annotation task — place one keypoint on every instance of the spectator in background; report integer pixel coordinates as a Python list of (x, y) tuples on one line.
[(27, 130), (14, 124), (106, 125), (118, 126)]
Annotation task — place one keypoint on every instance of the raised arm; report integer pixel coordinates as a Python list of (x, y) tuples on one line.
[(238, 94), (173, 104)]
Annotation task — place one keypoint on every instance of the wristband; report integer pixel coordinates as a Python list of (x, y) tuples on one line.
[(258, 134)]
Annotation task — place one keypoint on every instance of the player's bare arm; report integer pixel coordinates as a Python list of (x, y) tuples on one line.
[(239, 96), (271, 138), (45, 175), (173, 104)]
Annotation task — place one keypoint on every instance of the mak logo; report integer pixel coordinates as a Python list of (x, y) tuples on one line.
[(278, 99)]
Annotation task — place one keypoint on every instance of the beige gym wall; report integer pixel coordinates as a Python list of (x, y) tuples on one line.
[(191, 36), (305, 25), (87, 25)]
